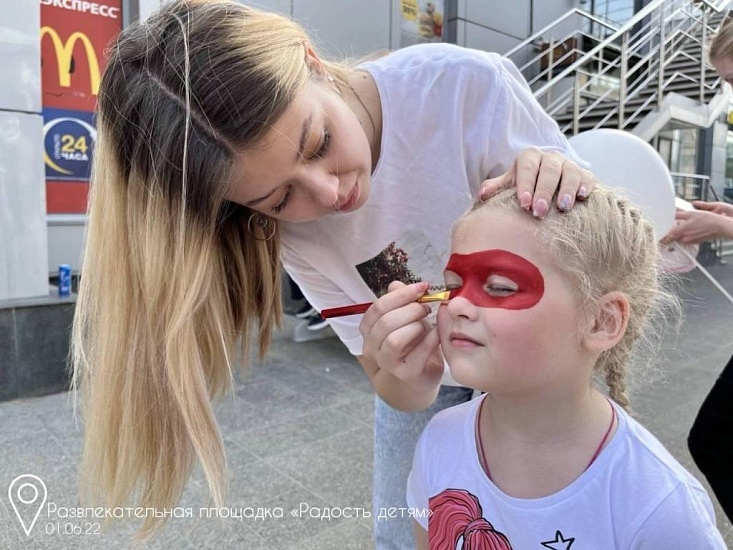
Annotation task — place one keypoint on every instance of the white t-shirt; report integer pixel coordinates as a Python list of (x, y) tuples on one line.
[(635, 495), (451, 118)]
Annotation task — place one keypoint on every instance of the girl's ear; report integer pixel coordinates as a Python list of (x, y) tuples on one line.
[(312, 59), (609, 324)]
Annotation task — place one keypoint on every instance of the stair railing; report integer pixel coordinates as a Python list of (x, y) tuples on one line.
[(630, 62)]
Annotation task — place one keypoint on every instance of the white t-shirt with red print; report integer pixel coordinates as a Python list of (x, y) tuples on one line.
[(634, 496), (451, 118)]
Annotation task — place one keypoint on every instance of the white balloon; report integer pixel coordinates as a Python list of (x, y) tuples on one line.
[(626, 162)]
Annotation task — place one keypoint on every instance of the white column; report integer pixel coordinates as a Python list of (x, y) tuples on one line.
[(23, 248)]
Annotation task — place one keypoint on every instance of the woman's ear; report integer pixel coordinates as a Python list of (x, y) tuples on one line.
[(609, 322), (312, 59)]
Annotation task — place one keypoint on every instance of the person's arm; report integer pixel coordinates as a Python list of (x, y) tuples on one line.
[(397, 393), (408, 385), (699, 225), (724, 208), (421, 536)]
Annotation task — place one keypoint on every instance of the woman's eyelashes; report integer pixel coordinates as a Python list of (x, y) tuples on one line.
[(283, 203), (320, 153), (325, 144)]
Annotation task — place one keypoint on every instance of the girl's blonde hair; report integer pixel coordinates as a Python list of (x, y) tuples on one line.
[(172, 275), (721, 44), (605, 245)]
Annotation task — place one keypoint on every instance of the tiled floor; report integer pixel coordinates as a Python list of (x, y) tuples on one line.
[(298, 433)]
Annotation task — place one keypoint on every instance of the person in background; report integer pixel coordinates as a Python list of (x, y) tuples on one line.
[(711, 437), (311, 317), (227, 145), (544, 458)]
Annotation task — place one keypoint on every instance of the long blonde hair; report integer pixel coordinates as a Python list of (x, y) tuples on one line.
[(172, 275), (604, 244)]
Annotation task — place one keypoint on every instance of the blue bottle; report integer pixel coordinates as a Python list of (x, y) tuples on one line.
[(64, 280)]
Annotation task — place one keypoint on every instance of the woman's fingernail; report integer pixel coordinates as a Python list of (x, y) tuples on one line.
[(540, 208), (422, 286), (583, 192), (565, 202), (525, 201)]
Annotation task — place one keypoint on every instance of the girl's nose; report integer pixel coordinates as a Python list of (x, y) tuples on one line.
[(458, 306)]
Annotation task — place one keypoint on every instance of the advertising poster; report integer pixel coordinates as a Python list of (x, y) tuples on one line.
[(73, 36), (68, 139), (422, 21)]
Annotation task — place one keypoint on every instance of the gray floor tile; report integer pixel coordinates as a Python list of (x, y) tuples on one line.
[(289, 435), (351, 535)]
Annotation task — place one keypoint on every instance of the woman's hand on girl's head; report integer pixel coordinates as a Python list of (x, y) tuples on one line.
[(399, 338), (538, 175)]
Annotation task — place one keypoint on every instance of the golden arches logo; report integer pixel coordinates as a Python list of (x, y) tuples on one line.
[(64, 51)]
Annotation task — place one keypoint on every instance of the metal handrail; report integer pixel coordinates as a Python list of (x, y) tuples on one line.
[(532, 40), (645, 47), (704, 186)]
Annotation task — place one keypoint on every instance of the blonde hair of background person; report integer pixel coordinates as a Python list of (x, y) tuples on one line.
[(175, 270), (509, 470), (720, 51), (713, 425)]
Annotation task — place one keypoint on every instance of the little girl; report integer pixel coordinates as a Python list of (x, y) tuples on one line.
[(544, 459)]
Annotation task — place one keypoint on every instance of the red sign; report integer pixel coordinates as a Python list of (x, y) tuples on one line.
[(74, 35)]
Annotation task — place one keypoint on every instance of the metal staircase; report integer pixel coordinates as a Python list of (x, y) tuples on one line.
[(643, 76), (640, 77)]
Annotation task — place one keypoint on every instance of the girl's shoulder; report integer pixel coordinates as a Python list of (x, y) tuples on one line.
[(649, 459)]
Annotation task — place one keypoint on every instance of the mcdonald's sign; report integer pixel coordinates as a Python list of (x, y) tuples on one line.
[(73, 37), (72, 54), (66, 62)]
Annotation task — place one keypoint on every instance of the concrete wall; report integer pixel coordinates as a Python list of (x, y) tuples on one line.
[(342, 28), (23, 252), (357, 28), (34, 344), (497, 25)]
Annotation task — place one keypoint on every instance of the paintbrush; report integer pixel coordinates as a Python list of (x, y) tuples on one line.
[(361, 308)]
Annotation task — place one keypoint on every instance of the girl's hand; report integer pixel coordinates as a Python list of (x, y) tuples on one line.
[(538, 175), (400, 340)]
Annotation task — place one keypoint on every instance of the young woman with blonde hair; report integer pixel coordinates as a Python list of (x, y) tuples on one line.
[(226, 145)]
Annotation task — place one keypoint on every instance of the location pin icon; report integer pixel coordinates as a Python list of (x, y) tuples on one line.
[(27, 493)]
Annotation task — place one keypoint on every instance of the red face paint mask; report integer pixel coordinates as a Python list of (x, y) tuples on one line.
[(475, 269)]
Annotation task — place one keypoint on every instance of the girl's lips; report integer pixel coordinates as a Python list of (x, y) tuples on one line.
[(462, 341), (350, 200)]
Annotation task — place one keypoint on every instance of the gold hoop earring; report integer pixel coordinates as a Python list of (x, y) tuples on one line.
[(261, 227)]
